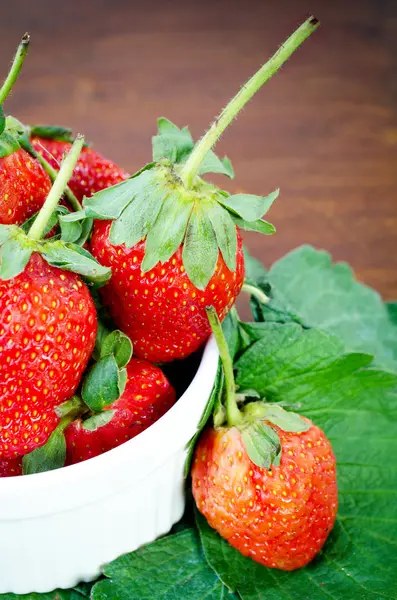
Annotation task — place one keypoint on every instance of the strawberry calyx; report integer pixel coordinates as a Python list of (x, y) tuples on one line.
[(52, 455), (254, 418), (16, 246), (106, 380), (52, 132), (103, 384), (170, 205)]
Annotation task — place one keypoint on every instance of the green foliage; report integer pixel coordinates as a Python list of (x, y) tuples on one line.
[(50, 456), (305, 286), (172, 567)]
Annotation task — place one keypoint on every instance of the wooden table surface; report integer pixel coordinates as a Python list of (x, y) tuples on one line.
[(324, 130)]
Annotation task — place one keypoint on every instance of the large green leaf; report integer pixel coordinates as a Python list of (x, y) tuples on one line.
[(321, 294), (171, 568), (76, 593), (356, 405)]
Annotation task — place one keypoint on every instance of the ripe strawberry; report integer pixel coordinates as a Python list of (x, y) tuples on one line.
[(147, 397), (47, 324), (264, 478), (92, 173), (162, 311), (24, 186), (174, 244), (279, 517), (11, 467), (47, 334)]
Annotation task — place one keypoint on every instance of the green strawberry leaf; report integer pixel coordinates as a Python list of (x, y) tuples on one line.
[(141, 213), (70, 257), (200, 250), (99, 420), (247, 206), (318, 293), (7, 232), (50, 456), (274, 413), (122, 381), (259, 225), (172, 567), (213, 164), (72, 594), (225, 232), (70, 230), (177, 144), (262, 444), (101, 385), (118, 344), (14, 256), (8, 143), (171, 142), (52, 132), (167, 233), (391, 308), (110, 202)]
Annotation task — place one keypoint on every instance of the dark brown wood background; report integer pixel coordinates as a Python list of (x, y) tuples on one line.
[(324, 130)]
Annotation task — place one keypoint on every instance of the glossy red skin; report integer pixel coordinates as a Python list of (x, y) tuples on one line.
[(92, 173), (11, 467), (47, 333), (24, 186), (147, 397), (280, 518), (161, 310)]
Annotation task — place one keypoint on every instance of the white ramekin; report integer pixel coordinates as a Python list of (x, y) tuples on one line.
[(60, 528)]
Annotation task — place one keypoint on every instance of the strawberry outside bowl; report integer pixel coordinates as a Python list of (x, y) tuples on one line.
[(59, 528)]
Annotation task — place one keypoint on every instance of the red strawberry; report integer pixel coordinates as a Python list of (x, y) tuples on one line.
[(265, 479), (147, 396), (11, 467), (47, 334), (279, 517), (162, 311), (24, 186), (92, 173), (174, 245)]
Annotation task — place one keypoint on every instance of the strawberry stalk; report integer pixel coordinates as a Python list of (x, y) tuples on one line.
[(57, 190), (16, 67), (192, 165), (52, 173), (234, 416), (256, 292)]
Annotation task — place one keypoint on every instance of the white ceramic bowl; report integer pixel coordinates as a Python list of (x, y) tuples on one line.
[(59, 528)]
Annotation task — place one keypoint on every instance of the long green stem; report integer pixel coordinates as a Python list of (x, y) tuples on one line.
[(16, 66), (57, 190), (52, 173), (232, 412), (192, 165)]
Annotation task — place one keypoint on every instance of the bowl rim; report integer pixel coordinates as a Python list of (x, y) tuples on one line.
[(51, 492)]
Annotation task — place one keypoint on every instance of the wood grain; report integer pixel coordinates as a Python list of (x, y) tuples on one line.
[(324, 130)]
